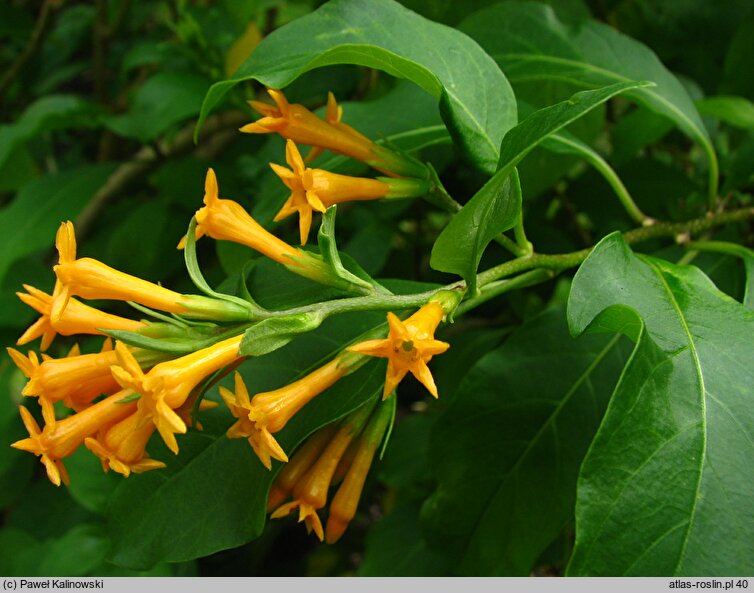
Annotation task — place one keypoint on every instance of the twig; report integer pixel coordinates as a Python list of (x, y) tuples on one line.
[(570, 260), (31, 49), (147, 158)]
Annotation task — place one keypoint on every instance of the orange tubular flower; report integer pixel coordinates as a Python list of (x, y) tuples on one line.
[(409, 346), (91, 279), (304, 458), (168, 385), (310, 490), (121, 446), (75, 380), (76, 318), (317, 189), (295, 122), (226, 220), (56, 442), (267, 413), (346, 500)]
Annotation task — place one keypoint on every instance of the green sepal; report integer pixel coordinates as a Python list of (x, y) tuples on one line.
[(193, 339), (192, 266), (329, 250), (392, 401)]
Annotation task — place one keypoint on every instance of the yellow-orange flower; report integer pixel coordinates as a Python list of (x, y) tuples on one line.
[(226, 220), (409, 346), (292, 472), (317, 189), (310, 489), (75, 380), (57, 442), (91, 279), (295, 122), (121, 447), (346, 499), (76, 318), (167, 386), (267, 413)]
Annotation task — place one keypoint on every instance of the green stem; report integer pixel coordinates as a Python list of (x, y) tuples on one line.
[(498, 287), (521, 241), (725, 247), (609, 174), (570, 260)]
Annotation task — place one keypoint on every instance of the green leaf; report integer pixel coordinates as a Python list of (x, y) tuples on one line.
[(394, 548), (90, 486), (666, 487), (54, 112), (744, 253), (519, 141), (496, 207), (529, 43), (506, 452), (638, 129), (29, 223), (475, 98), (213, 495), (736, 111), (167, 98), (493, 209)]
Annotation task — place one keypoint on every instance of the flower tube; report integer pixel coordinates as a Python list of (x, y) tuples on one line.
[(91, 279), (167, 386), (317, 189), (269, 412), (59, 441), (295, 122), (310, 491), (76, 318)]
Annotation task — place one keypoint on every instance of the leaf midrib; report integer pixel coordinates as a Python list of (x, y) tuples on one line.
[(702, 402), (574, 388)]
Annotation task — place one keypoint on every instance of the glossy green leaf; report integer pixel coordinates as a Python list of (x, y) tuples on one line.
[(213, 495), (506, 452), (164, 100), (29, 223), (394, 548), (493, 209), (747, 257), (736, 111), (90, 486), (666, 487), (475, 98), (496, 207), (530, 43), (50, 113)]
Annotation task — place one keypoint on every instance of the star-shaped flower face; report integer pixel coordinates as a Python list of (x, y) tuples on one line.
[(36, 444), (317, 189), (306, 513), (153, 395), (303, 199), (295, 122), (76, 318), (251, 425), (409, 346)]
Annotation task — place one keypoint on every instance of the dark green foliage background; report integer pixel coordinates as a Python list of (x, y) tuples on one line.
[(539, 451)]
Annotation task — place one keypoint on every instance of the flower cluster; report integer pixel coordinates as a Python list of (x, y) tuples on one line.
[(153, 379)]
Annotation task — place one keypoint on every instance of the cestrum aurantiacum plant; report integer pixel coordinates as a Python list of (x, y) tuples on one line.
[(154, 377)]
